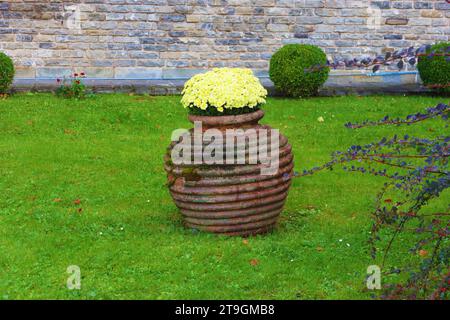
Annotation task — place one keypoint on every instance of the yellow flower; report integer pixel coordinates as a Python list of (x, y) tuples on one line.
[(223, 88)]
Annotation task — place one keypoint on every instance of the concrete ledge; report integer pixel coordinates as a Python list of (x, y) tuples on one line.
[(140, 86), (338, 83)]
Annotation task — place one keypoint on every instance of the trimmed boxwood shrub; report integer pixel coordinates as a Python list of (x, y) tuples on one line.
[(6, 72), (435, 69), (289, 70)]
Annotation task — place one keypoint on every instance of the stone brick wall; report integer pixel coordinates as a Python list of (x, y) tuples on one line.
[(167, 39)]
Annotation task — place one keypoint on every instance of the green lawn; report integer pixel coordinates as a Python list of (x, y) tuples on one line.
[(126, 235)]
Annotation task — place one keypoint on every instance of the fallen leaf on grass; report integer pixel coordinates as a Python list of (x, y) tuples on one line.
[(254, 262), (77, 201), (57, 200), (69, 131), (144, 98), (423, 253)]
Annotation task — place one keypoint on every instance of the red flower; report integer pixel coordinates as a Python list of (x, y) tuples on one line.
[(77, 81), (75, 74), (58, 80), (442, 233), (82, 74)]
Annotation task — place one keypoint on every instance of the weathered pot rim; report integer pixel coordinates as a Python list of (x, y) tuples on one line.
[(251, 117)]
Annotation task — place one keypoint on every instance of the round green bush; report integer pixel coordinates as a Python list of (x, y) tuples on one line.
[(6, 72), (294, 70), (435, 69)]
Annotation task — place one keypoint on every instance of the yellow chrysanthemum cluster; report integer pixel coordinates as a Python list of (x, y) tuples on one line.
[(223, 88)]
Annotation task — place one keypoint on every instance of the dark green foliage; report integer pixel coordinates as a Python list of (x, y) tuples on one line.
[(226, 112), (434, 66), (6, 72), (292, 70)]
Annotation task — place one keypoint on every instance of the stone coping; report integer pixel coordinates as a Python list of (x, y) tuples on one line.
[(338, 83)]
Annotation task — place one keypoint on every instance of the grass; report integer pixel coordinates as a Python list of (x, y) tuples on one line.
[(126, 234)]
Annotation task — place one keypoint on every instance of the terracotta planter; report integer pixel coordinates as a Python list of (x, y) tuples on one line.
[(231, 199)]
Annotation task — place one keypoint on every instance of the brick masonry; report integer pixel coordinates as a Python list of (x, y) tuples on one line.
[(173, 39)]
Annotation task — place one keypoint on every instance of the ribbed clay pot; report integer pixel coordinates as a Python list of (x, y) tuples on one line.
[(231, 199)]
